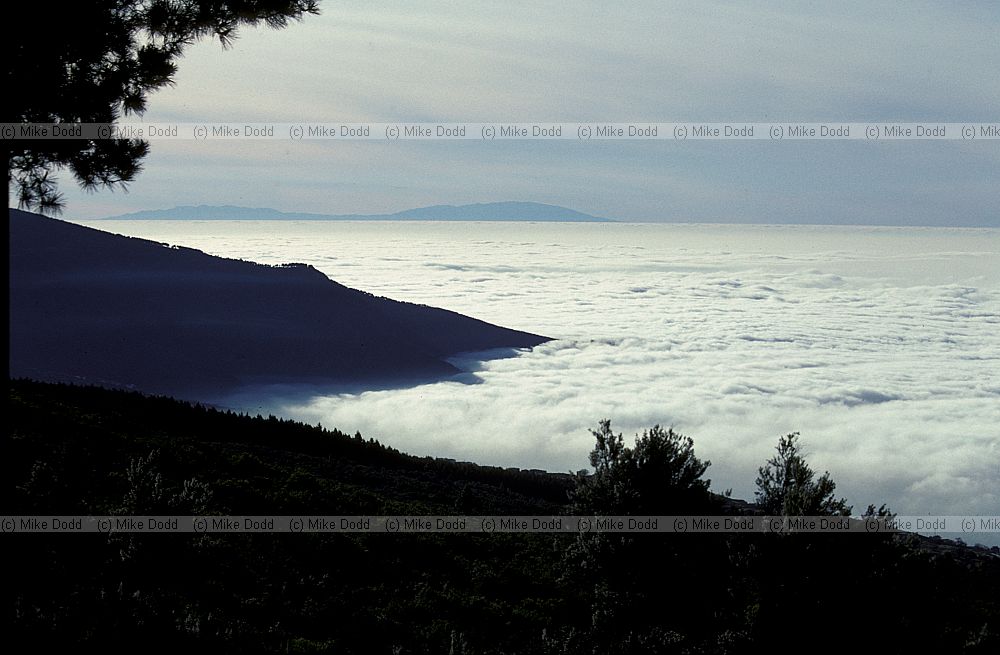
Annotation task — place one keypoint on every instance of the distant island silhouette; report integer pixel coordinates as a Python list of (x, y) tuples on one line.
[(94, 307), (489, 211)]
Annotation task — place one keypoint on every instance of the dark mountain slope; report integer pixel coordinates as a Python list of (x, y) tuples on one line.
[(72, 450), (95, 307)]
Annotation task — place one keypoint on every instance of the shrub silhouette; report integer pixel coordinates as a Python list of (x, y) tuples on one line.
[(786, 485), (625, 575), (659, 475)]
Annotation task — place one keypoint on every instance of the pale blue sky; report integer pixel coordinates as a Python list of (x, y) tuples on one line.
[(593, 61)]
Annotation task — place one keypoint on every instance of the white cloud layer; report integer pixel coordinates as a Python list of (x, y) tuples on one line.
[(880, 345)]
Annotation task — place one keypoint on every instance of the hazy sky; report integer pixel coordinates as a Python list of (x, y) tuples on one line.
[(593, 61)]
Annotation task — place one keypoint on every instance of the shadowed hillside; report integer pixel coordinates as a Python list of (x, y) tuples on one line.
[(73, 450), (95, 307)]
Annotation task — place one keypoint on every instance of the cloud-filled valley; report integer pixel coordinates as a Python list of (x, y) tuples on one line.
[(880, 345)]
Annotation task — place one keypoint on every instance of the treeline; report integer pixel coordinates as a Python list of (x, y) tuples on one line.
[(90, 433), (76, 450)]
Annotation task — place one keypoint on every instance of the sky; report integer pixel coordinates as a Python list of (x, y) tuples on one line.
[(592, 61)]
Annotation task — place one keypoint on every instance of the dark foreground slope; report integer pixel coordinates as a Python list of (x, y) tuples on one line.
[(72, 450), (94, 307)]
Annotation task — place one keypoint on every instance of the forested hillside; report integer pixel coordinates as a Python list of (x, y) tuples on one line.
[(75, 450)]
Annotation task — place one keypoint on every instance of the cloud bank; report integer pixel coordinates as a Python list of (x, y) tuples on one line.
[(879, 345)]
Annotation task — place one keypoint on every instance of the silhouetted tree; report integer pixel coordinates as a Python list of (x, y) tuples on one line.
[(92, 62), (660, 475), (786, 485), (628, 575)]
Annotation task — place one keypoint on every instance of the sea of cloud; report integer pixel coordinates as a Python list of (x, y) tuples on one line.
[(880, 345)]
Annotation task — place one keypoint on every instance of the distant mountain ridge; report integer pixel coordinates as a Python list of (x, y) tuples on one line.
[(488, 211), (93, 307)]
